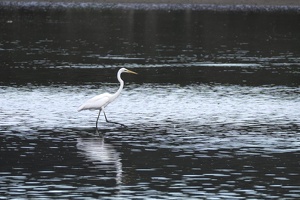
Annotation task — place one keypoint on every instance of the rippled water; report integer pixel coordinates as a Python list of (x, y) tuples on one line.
[(213, 113)]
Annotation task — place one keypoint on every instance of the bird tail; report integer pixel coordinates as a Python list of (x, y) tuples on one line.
[(80, 108)]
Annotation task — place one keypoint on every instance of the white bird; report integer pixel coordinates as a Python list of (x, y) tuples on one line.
[(99, 102)]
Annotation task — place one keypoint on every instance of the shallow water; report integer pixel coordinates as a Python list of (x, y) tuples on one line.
[(191, 141), (211, 115)]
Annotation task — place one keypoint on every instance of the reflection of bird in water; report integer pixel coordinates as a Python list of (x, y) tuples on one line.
[(103, 155), (99, 102)]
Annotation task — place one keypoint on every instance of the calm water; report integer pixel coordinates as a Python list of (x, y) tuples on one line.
[(213, 113)]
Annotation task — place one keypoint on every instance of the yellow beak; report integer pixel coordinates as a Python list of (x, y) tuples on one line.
[(131, 72)]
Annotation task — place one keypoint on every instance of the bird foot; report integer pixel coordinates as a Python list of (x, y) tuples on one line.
[(123, 125)]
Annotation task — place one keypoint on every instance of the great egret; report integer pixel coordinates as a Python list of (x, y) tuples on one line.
[(99, 102)]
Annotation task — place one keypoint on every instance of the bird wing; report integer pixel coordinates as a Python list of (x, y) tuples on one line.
[(96, 102)]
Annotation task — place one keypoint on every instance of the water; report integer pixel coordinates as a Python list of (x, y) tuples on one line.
[(213, 113)]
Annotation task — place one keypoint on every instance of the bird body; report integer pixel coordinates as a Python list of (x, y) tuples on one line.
[(99, 102)]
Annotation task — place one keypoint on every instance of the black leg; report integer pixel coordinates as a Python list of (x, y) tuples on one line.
[(97, 121), (113, 122)]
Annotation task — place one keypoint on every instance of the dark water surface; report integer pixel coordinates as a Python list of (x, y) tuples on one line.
[(213, 113)]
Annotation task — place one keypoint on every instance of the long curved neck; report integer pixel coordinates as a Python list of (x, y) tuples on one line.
[(115, 95)]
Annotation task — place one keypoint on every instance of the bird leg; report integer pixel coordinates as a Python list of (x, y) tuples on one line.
[(97, 121), (123, 125)]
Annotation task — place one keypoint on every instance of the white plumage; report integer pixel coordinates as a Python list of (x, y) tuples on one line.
[(99, 102)]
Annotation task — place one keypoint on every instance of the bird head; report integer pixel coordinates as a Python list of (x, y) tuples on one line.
[(127, 71)]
